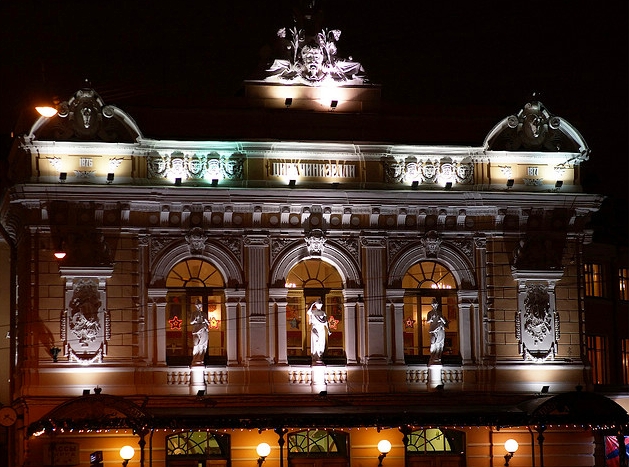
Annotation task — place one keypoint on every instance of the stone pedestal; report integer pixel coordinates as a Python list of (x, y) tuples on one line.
[(197, 379), (434, 376)]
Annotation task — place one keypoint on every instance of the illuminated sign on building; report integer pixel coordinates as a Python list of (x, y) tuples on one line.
[(313, 169)]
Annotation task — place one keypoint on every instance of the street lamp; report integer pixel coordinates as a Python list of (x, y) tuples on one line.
[(262, 450), (384, 446), (126, 452), (511, 446)]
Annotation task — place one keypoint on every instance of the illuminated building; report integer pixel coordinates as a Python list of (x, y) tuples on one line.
[(177, 319)]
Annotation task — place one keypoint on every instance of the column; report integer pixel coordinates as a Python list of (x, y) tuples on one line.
[(395, 297), (278, 298), (353, 334), (374, 270), (156, 321), (467, 325), (233, 301), (257, 270), (480, 319)]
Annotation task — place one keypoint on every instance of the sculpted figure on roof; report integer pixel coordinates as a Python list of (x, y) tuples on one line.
[(313, 61)]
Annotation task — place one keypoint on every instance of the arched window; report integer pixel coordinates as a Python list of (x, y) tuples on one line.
[(433, 446), (425, 282), (318, 443), (199, 448), (195, 309), (309, 281)]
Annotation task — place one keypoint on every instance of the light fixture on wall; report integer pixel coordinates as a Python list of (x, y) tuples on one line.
[(263, 450), (334, 104), (215, 182), (511, 446), (127, 453), (510, 183), (59, 253), (110, 178), (558, 184), (292, 183), (178, 181), (448, 186), (384, 446), (63, 176), (288, 102), (415, 185)]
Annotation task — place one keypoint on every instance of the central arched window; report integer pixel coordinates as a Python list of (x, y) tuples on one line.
[(195, 295), (309, 281), (198, 448), (425, 282), (317, 443)]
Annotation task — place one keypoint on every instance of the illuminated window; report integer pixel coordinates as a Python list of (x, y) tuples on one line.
[(197, 446), (593, 276), (597, 355), (317, 443), (434, 441), (195, 306), (307, 282), (425, 282), (623, 280), (625, 360)]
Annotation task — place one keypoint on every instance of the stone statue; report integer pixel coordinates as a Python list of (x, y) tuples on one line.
[(314, 61), (200, 336), (437, 330), (318, 319)]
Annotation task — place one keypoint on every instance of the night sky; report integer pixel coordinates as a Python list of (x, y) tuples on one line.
[(482, 56)]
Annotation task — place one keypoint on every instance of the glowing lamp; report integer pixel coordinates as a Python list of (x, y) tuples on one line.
[(46, 111), (384, 446), (127, 453), (511, 446), (263, 450)]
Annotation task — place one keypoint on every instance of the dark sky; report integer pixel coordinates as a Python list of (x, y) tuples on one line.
[(472, 55)]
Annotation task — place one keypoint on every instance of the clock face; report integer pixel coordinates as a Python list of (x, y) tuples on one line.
[(8, 416)]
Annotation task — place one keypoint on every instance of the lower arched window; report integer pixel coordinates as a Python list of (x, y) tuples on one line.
[(318, 448), (198, 449), (442, 446)]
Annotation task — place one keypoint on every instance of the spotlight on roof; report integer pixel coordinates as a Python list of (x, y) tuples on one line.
[(448, 186), (215, 182), (178, 181), (110, 178), (510, 183), (558, 184), (63, 176), (415, 184), (292, 183), (334, 104), (288, 102)]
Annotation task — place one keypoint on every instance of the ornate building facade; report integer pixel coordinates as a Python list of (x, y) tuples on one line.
[(167, 291)]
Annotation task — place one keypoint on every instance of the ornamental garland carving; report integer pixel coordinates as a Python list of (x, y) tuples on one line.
[(212, 166), (427, 171)]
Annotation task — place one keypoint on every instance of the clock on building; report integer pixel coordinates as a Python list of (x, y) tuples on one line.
[(8, 416)]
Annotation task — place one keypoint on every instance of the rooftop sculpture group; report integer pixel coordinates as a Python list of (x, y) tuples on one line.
[(313, 61)]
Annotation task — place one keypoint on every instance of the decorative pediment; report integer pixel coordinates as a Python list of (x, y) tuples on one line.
[(534, 128)]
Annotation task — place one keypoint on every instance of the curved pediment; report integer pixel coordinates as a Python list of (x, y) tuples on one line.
[(85, 117), (534, 128)]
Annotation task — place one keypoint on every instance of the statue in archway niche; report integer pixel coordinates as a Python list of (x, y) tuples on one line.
[(318, 320), (200, 336), (437, 329)]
